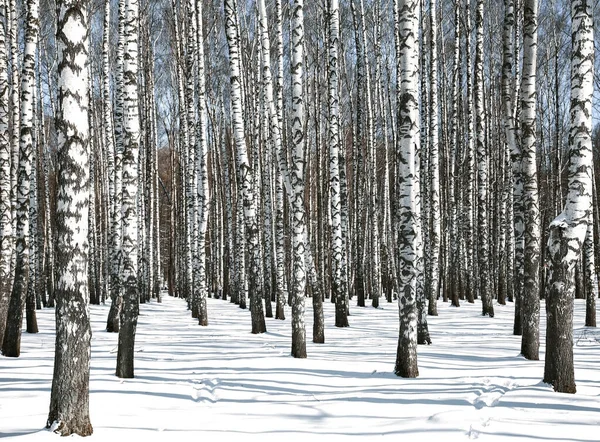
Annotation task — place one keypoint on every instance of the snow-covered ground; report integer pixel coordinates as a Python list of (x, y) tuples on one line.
[(221, 382)]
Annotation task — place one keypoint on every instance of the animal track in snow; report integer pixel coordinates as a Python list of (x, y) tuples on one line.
[(204, 390)]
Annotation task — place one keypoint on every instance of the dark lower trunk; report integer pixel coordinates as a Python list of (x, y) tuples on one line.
[(558, 369), (530, 309), (11, 345), (129, 318), (518, 324), (279, 307), (268, 305), (318, 317), (30, 307), (256, 306), (298, 330), (406, 355), (590, 306), (359, 285), (202, 311), (114, 314), (579, 284), (69, 400), (422, 326), (341, 318), (4, 301)]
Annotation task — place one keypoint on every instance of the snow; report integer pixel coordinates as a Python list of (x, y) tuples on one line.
[(222, 382)]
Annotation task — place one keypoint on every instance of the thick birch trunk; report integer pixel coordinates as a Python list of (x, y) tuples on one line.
[(69, 400), (568, 230)]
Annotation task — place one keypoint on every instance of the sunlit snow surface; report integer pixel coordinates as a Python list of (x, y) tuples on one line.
[(221, 382)]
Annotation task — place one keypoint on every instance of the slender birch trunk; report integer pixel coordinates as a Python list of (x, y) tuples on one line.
[(297, 183), (15, 101), (245, 171), (131, 144), (591, 277), (530, 308), (6, 237), (407, 216), (468, 193), (454, 268), (484, 254), (11, 345), (339, 289), (116, 255), (202, 173), (434, 167)]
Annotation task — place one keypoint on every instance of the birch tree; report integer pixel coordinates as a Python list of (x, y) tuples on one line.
[(530, 308), (483, 261), (6, 239), (11, 345), (339, 289), (245, 170), (569, 228), (407, 218), (116, 234), (201, 173), (131, 142), (297, 183), (69, 399), (434, 167)]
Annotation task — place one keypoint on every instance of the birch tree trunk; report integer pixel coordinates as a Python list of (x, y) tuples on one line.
[(485, 284), (11, 345), (131, 144), (203, 196), (434, 168), (245, 176), (339, 289), (12, 21), (297, 183), (116, 253), (568, 230), (454, 268), (279, 225), (468, 230), (69, 399), (530, 308), (510, 128), (591, 277), (6, 237), (407, 216)]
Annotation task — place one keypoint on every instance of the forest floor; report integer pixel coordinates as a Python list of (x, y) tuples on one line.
[(221, 382)]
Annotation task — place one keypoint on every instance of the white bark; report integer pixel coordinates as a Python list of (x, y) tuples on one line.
[(407, 216)]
